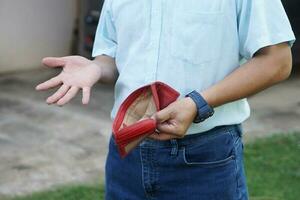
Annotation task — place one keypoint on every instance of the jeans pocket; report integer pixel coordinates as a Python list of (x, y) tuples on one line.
[(224, 161), (215, 151)]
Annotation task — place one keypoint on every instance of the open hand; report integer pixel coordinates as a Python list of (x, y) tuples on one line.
[(175, 119), (78, 73)]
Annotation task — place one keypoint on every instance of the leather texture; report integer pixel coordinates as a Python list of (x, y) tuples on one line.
[(133, 121)]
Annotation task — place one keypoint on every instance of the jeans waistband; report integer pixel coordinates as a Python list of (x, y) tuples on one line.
[(194, 138)]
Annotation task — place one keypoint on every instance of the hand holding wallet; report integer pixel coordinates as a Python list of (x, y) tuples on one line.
[(133, 122)]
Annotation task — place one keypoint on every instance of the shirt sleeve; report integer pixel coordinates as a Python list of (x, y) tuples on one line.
[(105, 38), (262, 23)]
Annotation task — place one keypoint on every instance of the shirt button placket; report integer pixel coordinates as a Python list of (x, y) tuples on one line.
[(156, 23)]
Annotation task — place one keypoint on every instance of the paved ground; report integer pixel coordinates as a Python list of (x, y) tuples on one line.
[(42, 146), (275, 110)]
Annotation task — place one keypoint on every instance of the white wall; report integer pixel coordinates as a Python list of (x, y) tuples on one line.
[(33, 29)]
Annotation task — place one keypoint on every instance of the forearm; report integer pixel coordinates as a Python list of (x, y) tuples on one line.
[(268, 67), (108, 68)]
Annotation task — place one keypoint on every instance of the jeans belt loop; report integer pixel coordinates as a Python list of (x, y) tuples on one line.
[(174, 145)]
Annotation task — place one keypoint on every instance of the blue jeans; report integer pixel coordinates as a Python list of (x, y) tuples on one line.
[(204, 166)]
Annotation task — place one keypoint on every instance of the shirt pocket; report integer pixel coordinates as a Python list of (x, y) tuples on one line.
[(196, 36)]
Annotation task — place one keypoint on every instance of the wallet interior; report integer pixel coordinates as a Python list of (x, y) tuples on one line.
[(143, 107)]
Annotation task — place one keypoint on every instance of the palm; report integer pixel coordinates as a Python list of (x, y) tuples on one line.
[(78, 73)]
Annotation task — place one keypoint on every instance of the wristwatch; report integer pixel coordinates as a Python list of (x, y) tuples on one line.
[(204, 110)]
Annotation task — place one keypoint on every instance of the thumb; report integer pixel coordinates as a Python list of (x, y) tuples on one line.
[(54, 61), (164, 122), (162, 116), (167, 128)]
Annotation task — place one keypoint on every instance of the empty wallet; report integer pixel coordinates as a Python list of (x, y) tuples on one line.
[(133, 121)]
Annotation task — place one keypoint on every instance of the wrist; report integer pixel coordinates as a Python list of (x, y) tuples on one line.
[(98, 68), (108, 69), (192, 106), (204, 110), (208, 97)]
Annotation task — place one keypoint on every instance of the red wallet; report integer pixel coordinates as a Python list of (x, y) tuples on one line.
[(133, 121)]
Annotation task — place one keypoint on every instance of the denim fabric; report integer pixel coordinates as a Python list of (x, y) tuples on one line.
[(206, 166)]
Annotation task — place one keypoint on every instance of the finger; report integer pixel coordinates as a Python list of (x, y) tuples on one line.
[(86, 93), (53, 82), (54, 61), (168, 128), (162, 115), (68, 96), (58, 94)]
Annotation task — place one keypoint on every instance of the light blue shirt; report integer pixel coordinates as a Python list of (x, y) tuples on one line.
[(188, 44)]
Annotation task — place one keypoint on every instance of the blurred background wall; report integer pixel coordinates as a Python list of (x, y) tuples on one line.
[(32, 29)]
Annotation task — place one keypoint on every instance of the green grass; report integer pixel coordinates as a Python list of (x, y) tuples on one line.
[(68, 193), (272, 167)]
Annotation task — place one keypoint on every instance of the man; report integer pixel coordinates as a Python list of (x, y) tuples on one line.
[(196, 47)]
